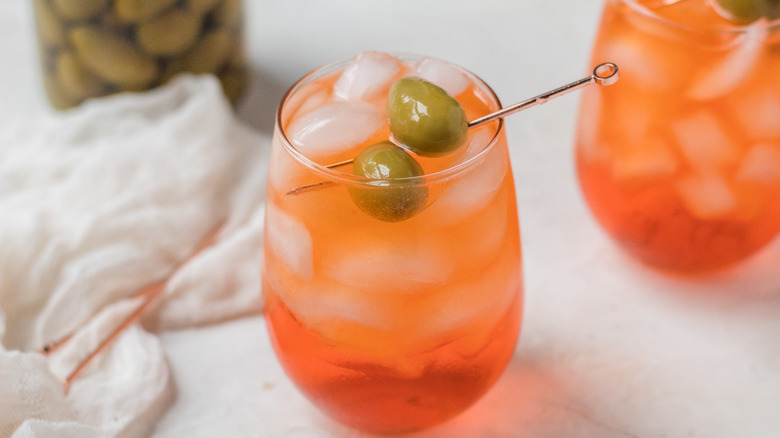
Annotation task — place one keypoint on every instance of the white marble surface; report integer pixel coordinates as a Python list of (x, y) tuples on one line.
[(609, 348)]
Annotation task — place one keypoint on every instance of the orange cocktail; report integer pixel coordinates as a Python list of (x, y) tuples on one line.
[(680, 163), (389, 321)]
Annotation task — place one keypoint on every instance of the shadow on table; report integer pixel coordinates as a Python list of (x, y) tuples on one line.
[(526, 402), (753, 282)]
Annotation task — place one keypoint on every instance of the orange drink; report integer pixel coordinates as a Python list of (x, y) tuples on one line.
[(389, 318), (680, 163)]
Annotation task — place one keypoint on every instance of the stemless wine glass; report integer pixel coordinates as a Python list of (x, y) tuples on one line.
[(389, 323), (681, 163)]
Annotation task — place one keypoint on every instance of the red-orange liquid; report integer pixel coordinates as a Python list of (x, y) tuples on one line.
[(362, 394), (680, 160), (394, 326)]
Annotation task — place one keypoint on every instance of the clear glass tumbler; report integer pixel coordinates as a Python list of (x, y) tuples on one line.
[(680, 163), (385, 324)]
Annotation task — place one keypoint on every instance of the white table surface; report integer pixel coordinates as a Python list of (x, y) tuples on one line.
[(609, 347)]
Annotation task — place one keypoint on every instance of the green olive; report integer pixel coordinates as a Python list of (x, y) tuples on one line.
[(169, 34), (111, 22), (75, 80), (79, 9), (208, 55), (747, 11), (50, 29), (113, 58), (424, 118), (389, 199), (137, 11), (229, 13)]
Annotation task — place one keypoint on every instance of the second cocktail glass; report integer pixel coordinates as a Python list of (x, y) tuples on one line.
[(681, 162), (388, 320)]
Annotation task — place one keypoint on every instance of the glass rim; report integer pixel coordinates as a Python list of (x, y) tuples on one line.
[(332, 174), (731, 29)]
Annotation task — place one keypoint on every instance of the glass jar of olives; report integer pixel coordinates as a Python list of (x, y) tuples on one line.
[(92, 48)]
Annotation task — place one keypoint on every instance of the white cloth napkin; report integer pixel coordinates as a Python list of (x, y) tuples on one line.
[(97, 203)]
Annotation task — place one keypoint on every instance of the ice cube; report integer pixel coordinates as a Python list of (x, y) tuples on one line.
[(721, 78), (442, 74), (704, 142), (315, 100), (627, 120), (289, 240), (477, 304), (761, 164), (645, 61), (305, 100), (706, 196), (328, 302), (368, 75), (477, 249), (477, 140), (396, 269), (590, 146), (758, 114), (473, 189), (645, 161), (334, 128)]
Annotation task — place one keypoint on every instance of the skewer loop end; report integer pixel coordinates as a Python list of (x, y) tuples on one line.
[(606, 73)]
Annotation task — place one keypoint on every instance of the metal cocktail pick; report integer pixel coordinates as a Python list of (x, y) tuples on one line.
[(603, 74)]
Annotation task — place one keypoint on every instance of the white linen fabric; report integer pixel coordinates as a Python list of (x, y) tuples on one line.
[(95, 204)]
